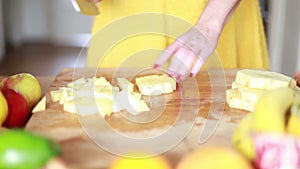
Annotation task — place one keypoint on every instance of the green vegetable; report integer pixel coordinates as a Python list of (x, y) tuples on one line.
[(24, 150)]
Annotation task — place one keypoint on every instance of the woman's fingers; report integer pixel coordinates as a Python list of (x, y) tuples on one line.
[(166, 54), (183, 51), (181, 63), (202, 56), (196, 68), (297, 77)]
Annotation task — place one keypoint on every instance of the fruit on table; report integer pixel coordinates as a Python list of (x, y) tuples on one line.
[(87, 96), (125, 84), (155, 84), (25, 84), (250, 84), (139, 161), (242, 140), (214, 157), (24, 150), (275, 114), (262, 79), (40, 106), (3, 109), (293, 123), (276, 151), (234, 100), (270, 110), (18, 112), (130, 101)]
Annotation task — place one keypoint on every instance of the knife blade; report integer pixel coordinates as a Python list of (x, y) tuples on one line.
[(86, 7)]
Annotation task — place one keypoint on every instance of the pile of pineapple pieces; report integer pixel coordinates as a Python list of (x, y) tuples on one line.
[(87, 96)]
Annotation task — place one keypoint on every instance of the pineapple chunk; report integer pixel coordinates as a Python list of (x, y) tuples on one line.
[(41, 106), (155, 84)]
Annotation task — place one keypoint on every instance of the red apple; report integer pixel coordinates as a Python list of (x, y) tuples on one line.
[(18, 112), (25, 84)]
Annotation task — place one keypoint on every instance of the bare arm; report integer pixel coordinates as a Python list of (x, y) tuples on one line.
[(215, 15), (199, 42)]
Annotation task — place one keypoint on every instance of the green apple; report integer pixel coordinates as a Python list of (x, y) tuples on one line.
[(21, 149), (25, 84), (3, 109), (18, 112)]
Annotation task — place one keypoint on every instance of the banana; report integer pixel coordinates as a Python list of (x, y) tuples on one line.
[(294, 119), (270, 114), (242, 140), (270, 110)]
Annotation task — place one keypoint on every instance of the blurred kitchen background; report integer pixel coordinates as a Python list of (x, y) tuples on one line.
[(50, 34)]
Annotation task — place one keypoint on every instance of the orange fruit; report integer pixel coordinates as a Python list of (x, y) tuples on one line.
[(214, 157)]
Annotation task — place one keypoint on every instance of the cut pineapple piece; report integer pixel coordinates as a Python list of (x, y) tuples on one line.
[(55, 95), (41, 106), (250, 84), (234, 100), (262, 79), (125, 84), (131, 102), (249, 94), (69, 106), (87, 96), (155, 84)]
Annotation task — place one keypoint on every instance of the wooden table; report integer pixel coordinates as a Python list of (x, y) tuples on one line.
[(203, 97)]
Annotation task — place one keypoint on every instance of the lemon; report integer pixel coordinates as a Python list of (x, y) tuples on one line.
[(3, 108), (157, 162)]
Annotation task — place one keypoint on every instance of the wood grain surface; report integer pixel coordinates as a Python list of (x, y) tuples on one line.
[(197, 101)]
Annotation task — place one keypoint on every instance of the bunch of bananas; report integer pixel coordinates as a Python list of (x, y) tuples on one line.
[(276, 119)]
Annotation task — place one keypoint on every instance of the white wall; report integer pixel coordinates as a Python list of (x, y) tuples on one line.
[(284, 36), (34, 19), (45, 20), (12, 19), (291, 38), (2, 38), (68, 26)]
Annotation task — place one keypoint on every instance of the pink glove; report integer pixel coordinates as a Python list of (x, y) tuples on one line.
[(188, 53)]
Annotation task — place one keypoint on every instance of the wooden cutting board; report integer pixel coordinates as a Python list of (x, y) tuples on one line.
[(200, 102)]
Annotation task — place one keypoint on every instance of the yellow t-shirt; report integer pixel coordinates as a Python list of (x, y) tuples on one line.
[(132, 33)]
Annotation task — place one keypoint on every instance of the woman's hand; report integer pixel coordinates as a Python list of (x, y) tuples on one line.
[(189, 52), (297, 77)]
